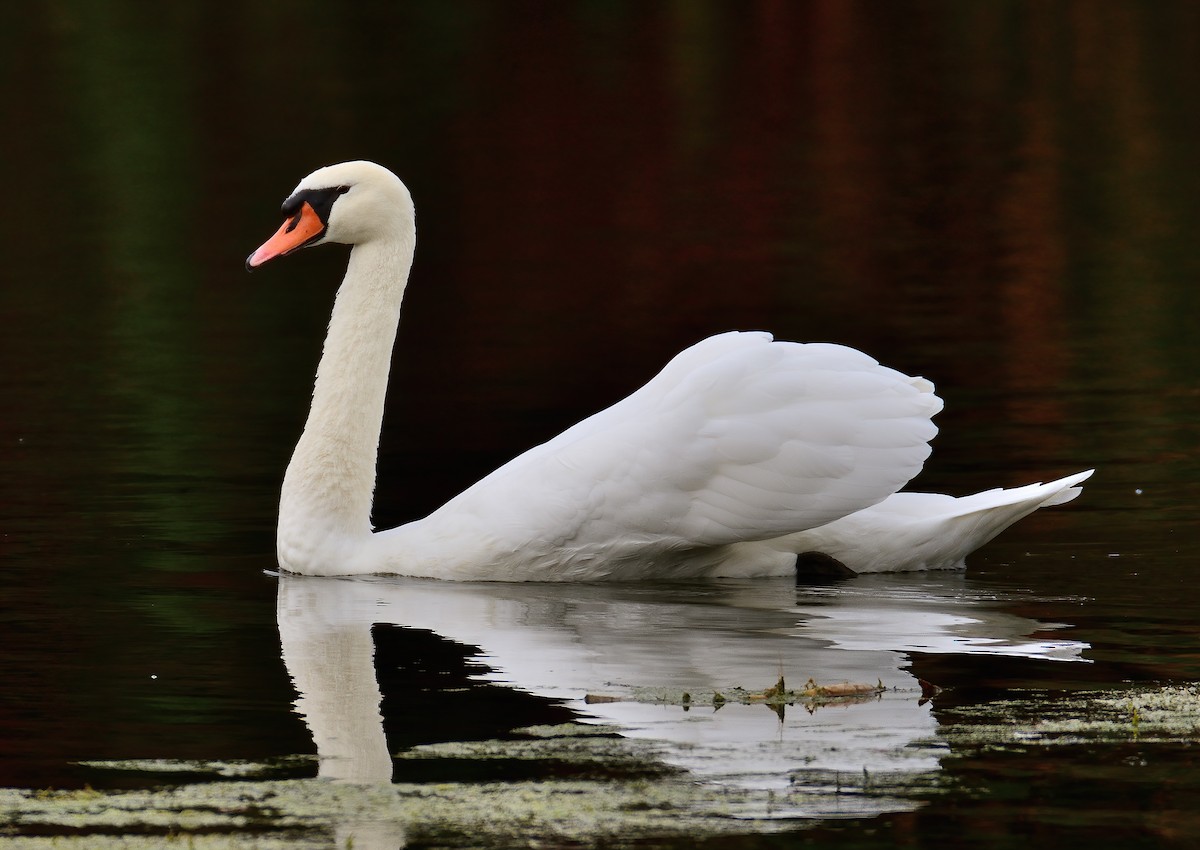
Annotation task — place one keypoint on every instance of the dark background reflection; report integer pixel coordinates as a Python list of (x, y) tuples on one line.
[(999, 195)]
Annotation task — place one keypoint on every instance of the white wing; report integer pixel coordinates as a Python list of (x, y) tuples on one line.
[(738, 438), (924, 531)]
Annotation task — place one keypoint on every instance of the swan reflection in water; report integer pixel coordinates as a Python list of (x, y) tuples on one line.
[(564, 641)]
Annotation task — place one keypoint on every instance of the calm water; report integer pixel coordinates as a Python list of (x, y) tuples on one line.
[(998, 195)]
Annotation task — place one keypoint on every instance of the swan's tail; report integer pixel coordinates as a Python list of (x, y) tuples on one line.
[(927, 531)]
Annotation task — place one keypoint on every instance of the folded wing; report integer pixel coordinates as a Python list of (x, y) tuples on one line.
[(739, 438)]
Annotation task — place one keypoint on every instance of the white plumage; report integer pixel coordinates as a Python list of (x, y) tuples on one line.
[(741, 453), (928, 531)]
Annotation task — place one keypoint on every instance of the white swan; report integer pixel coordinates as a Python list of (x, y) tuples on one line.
[(711, 469)]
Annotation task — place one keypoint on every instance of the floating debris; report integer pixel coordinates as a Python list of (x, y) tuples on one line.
[(928, 691), (811, 696), (598, 699), (841, 689)]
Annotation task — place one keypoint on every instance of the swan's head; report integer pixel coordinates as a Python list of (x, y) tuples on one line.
[(351, 203)]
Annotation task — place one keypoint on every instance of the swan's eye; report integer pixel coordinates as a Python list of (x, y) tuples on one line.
[(295, 220), (320, 200)]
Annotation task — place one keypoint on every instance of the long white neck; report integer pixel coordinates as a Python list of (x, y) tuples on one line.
[(325, 505)]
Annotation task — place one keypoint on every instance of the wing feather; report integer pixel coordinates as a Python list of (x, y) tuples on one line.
[(738, 438)]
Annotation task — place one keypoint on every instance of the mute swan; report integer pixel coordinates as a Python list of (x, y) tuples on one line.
[(741, 453)]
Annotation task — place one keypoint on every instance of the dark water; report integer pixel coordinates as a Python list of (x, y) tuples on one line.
[(998, 195)]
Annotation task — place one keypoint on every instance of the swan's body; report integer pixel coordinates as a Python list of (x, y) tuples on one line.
[(729, 462)]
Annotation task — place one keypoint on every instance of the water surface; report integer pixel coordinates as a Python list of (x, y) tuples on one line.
[(999, 196)]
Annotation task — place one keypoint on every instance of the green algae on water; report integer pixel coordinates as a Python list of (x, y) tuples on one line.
[(1169, 713)]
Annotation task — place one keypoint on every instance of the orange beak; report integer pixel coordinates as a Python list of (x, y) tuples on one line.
[(294, 234)]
